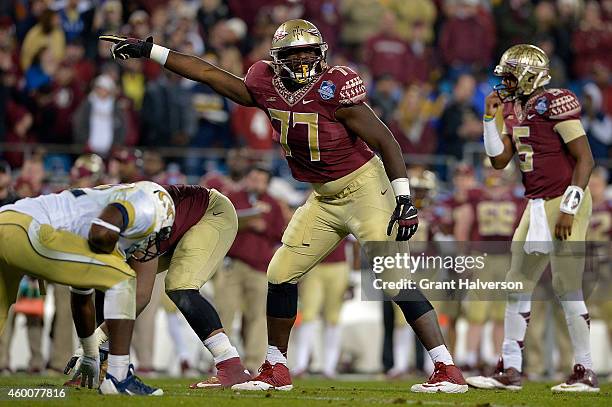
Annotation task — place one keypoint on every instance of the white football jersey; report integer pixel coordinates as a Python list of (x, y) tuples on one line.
[(74, 209)]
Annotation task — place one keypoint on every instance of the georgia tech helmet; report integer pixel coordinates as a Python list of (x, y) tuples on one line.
[(164, 219), (528, 65), (88, 165), (294, 35)]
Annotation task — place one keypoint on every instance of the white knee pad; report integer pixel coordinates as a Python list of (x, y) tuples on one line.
[(120, 300)]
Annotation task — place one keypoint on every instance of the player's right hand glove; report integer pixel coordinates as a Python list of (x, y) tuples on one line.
[(125, 48), (83, 374), (88, 371), (405, 214)]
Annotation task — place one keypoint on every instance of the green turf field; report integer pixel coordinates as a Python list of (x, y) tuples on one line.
[(312, 392)]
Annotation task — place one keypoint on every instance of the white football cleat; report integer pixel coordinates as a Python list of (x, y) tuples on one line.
[(580, 381)]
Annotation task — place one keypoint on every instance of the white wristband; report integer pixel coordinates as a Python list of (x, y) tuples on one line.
[(159, 54), (101, 337), (109, 226), (493, 143), (90, 346), (572, 198), (401, 186)]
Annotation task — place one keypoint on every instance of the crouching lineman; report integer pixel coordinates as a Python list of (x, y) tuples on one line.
[(543, 127), (81, 238), (204, 230)]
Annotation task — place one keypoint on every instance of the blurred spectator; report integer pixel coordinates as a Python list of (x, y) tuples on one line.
[(557, 67), (7, 194), (84, 69), (67, 94), (226, 33), (19, 130), (187, 23), (238, 162), (413, 126), (386, 53), (99, 122), (251, 128), (385, 97), (460, 121), (168, 116), (516, 22), (133, 81), (24, 188), (76, 18), (467, 37), (210, 13), (360, 20), (173, 175), (592, 36), (569, 13), (213, 116), (602, 78), (243, 281), (41, 70), (153, 165), (33, 172), (415, 12), (47, 33), (325, 14), (126, 165), (597, 124), (108, 17)]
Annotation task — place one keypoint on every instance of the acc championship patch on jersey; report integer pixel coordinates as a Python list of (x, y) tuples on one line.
[(327, 90), (541, 105)]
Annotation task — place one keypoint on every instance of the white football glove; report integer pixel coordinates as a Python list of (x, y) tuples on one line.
[(86, 368)]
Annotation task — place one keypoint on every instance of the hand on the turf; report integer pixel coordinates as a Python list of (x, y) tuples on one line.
[(563, 228), (405, 214), (125, 48), (88, 371)]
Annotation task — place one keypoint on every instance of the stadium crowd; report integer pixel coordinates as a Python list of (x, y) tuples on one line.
[(427, 65)]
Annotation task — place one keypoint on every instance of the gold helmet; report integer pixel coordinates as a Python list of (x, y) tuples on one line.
[(424, 184), (496, 178), (88, 165), (525, 64), (291, 37)]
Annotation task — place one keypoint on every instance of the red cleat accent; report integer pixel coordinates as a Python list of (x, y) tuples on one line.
[(444, 379), (229, 372), (271, 377)]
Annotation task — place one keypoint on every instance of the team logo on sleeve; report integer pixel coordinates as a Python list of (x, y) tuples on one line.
[(327, 90), (541, 105)]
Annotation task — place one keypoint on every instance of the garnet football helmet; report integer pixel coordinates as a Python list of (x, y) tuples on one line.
[(294, 36), (524, 65), (88, 165)]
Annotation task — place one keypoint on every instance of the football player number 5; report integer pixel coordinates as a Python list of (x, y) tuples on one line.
[(287, 119), (525, 151)]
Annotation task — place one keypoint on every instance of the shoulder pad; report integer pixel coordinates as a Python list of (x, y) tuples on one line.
[(558, 104), (351, 88), (258, 70)]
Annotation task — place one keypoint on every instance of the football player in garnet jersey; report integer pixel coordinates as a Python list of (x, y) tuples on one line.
[(327, 132), (542, 127)]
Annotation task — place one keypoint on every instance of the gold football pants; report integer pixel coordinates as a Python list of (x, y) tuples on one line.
[(360, 203), (39, 250)]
